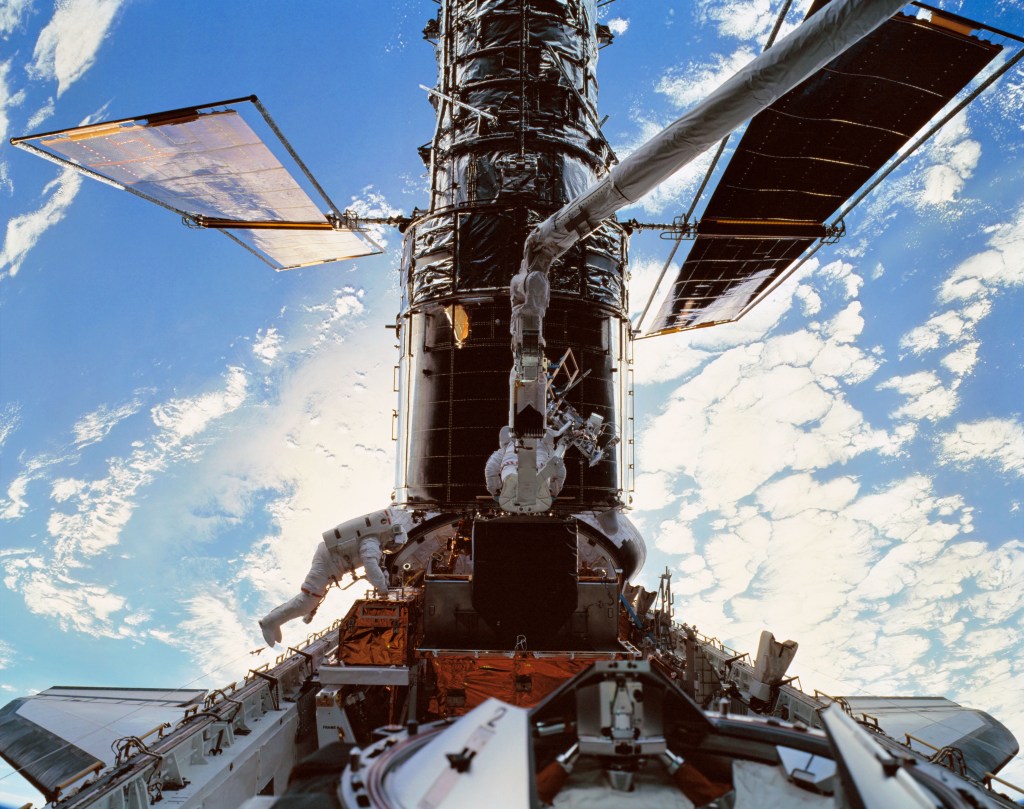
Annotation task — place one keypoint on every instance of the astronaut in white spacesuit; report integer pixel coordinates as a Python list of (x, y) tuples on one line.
[(501, 473), (359, 542)]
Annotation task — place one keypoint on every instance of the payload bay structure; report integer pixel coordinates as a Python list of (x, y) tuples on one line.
[(510, 655)]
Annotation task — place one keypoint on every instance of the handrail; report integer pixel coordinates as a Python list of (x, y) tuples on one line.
[(93, 768), (159, 729), (989, 778), (929, 745), (870, 721)]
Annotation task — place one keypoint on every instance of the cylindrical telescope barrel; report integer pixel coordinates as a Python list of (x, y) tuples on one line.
[(528, 66)]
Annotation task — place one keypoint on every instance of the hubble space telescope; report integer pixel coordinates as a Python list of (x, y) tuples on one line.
[(502, 650)]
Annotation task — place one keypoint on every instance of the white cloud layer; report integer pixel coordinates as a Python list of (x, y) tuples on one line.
[(10, 418), (67, 46), (12, 12), (25, 230), (618, 25), (92, 514), (745, 20), (94, 427), (310, 449), (321, 450), (685, 86), (8, 100), (996, 441)]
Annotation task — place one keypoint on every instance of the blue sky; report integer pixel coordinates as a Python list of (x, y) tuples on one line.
[(178, 423)]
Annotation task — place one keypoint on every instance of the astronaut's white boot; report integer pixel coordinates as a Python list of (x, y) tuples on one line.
[(304, 604)]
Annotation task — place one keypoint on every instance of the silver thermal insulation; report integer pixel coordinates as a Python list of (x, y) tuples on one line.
[(517, 137)]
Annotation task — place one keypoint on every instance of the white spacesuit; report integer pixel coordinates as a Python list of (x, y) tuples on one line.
[(359, 542), (492, 470), (502, 473)]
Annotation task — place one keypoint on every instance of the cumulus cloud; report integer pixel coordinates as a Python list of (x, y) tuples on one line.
[(953, 155), (779, 404), (765, 510), (744, 20), (662, 359), (925, 397), (991, 271), (883, 569), (67, 46), (25, 230), (962, 361), (996, 441), (94, 427), (935, 180), (948, 328), (310, 449), (10, 418), (99, 509), (267, 345), (8, 99), (684, 86), (618, 25), (969, 291)]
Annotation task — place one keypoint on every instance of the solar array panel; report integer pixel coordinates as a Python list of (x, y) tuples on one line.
[(211, 165), (804, 156)]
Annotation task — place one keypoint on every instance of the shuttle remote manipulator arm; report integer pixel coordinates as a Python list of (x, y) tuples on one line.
[(359, 542), (527, 471)]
